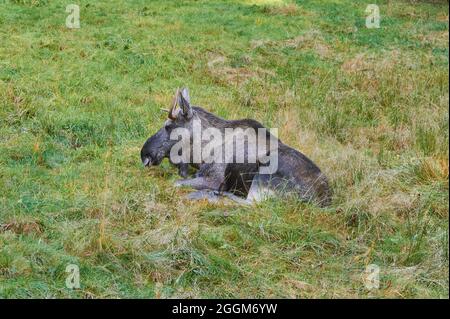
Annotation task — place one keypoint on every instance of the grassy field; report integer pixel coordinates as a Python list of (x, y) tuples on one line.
[(369, 106)]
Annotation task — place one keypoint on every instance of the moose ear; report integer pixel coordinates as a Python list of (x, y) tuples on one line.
[(172, 112), (184, 102), (185, 95)]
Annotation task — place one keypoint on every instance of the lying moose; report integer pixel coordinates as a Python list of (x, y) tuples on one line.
[(246, 174)]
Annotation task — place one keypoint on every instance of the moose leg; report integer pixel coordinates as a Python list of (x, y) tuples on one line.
[(214, 196), (209, 195), (209, 176), (261, 188), (199, 183), (183, 170)]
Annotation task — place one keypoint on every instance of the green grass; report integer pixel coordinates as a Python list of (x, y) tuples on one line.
[(369, 106)]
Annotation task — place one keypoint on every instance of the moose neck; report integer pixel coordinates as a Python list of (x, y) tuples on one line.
[(208, 119)]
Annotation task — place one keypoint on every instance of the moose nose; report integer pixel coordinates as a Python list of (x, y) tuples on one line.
[(146, 161)]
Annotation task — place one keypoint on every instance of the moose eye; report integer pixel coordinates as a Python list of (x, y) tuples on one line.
[(168, 126)]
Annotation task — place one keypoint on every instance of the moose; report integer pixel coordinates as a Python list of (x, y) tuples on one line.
[(241, 177)]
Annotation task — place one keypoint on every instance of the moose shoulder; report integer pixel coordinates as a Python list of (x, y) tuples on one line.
[(240, 159)]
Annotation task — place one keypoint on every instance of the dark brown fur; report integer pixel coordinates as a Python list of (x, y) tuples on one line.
[(296, 173)]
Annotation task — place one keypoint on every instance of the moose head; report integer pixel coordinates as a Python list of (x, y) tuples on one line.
[(158, 146)]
